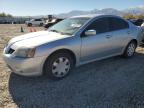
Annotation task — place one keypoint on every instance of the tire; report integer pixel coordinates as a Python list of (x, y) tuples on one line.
[(58, 65), (130, 49), (29, 24), (41, 24)]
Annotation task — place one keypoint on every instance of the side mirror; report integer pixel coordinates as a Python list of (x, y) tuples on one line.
[(90, 32)]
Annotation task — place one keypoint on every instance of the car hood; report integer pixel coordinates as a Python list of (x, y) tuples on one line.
[(35, 39)]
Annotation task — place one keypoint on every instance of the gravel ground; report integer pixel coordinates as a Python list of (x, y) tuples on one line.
[(112, 83)]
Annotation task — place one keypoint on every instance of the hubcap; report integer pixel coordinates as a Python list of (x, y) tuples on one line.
[(131, 49), (60, 67)]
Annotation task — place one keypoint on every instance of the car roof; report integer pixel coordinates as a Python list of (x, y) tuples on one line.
[(94, 15)]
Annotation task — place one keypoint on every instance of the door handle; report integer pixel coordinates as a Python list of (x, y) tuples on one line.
[(108, 36)]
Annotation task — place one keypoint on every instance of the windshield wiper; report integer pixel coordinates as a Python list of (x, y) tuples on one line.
[(60, 32), (55, 31), (66, 33)]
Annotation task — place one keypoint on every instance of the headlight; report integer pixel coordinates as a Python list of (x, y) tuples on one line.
[(25, 52)]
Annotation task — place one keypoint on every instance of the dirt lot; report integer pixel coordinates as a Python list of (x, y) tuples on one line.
[(110, 83)]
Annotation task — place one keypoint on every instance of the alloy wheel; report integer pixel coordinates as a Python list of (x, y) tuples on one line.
[(131, 49)]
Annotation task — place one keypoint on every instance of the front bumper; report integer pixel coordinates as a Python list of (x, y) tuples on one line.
[(25, 66)]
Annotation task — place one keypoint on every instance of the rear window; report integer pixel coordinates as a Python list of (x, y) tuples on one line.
[(38, 20)]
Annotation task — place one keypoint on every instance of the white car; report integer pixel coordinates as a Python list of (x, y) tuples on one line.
[(37, 22)]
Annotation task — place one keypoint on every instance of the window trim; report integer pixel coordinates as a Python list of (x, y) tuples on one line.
[(97, 18)]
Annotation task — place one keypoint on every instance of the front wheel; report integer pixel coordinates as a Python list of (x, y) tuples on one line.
[(130, 49), (58, 65)]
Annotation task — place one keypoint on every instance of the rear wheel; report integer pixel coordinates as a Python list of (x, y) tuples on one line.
[(130, 49), (58, 65), (41, 24), (29, 24)]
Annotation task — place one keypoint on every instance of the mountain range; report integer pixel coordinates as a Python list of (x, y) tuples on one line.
[(136, 10), (111, 11)]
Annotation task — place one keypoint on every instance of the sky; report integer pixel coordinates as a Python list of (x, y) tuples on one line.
[(45, 7)]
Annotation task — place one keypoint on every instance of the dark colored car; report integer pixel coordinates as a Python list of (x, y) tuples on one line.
[(137, 22), (51, 23)]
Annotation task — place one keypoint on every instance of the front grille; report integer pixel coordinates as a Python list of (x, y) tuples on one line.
[(10, 51)]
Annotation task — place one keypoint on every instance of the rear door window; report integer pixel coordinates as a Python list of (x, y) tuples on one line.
[(37, 19), (117, 24)]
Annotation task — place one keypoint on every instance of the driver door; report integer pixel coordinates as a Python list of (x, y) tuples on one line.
[(99, 45)]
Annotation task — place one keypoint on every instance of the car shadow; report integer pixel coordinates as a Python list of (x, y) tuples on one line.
[(110, 83)]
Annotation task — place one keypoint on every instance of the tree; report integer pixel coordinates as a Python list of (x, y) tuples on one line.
[(132, 16), (129, 16), (9, 15), (140, 16), (5, 15)]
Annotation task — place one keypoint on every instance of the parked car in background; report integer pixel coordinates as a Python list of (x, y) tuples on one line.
[(142, 26), (140, 23), (50, 23), (72, 42), (137, 22), (36, 22)]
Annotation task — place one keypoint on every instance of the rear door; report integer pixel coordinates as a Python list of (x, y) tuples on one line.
[(120, 33), (37, 21)]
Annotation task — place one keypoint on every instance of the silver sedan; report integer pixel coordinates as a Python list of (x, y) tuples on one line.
[(71, 42)]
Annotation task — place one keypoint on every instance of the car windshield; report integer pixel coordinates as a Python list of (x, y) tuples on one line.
[(68, 26)]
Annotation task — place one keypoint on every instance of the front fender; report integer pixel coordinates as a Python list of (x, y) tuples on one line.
[(73, 44)]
